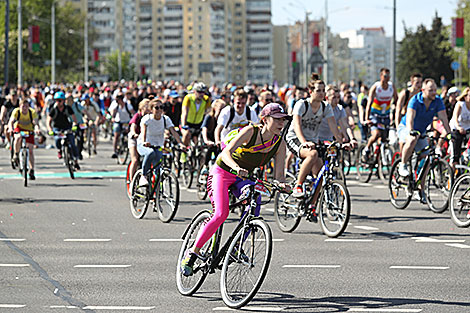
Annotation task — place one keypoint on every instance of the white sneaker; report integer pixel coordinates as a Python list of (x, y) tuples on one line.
[(143, 181), (403, 170)]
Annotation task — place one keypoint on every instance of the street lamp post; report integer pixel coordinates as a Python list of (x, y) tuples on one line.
[(394, 43), (85, 38), (7, 31), (20, 47), (325, 36), (53, 43)]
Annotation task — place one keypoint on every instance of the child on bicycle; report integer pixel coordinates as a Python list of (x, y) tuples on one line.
[(254, 146), (152, 133)]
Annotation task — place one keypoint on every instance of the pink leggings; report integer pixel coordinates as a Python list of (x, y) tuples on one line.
[(218, 185)]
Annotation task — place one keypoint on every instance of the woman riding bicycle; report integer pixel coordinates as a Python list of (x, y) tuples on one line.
[(460, 125), (134, 132), (253, 146), (152, 134), (208, 128)]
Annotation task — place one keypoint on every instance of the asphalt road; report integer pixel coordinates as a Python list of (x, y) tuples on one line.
[(73, 245)]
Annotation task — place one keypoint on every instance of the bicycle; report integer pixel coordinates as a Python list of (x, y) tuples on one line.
[(23, 157), (460, 201), (163, 190), (204, 170), (334, 202), (379, 159), (248, 249), (122, 148), (66, 150), (437, 185)]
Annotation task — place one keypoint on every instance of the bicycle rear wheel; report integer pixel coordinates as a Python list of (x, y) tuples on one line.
[(438, 185), (187, 173), (335, 208), (24, 165), (123, 152), (364, 170), (399, 187), (128, 180), (385, 163), (460, 201), (139, 197), (202, 175), (69, 161), (188, 285), (287, 212), (246, 263), (168, 196)]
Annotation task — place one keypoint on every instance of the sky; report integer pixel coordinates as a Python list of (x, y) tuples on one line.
[(353, 14)]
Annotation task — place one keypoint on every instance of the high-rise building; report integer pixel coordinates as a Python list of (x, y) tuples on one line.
[(215, 41)]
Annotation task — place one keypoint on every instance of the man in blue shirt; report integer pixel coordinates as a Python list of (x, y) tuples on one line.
[(422, 108)]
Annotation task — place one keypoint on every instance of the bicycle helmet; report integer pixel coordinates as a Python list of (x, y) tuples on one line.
[(199, 87), (59, 95)]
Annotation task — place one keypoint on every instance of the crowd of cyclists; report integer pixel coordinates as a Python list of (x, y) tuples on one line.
[(283, 130)]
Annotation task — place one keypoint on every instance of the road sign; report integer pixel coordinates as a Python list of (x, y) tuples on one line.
[(454, 65)]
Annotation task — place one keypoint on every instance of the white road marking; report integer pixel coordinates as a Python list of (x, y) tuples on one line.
[(112, 307), (12, 306), (348, 240), (14, 265), (311, 266), (86, 240), (251, 308), (12, 239), (366, 227), (458, 245), (383, 310), (102, 266), (63, 307), (189, 190), (427, 239), (410, 267), (165, 240), (269, 210)]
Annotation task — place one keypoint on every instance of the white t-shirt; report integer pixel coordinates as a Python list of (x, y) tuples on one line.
[(464, 117), (155, 129), (121, 116), (237, 122)]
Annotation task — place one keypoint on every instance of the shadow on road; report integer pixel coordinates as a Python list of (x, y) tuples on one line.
[(72, 184), (31, 200), (393, 219)]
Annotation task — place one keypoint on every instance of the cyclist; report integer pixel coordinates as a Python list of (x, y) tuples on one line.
[(195, 106), (304, 131), (134, 132), (208, 128), (361, 109), (460, 124), (24, 119), (405, 96), (121, 113), (152, 133), (12, 102), (252, 147), (92, 114), (58, 120), (234, 116), (378, 110), (78, 112), (420, 113), (173, 107), (265, 97)]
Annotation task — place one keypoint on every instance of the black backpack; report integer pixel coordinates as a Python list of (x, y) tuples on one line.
[(323, 106), (30, 115), (232, 115)]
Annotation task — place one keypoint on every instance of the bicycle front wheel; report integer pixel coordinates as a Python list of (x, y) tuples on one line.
[(69, 161), (139, 199), (187, 173), (188, 285), (335, 208), (460, 201), (287, 212), (246, 263), (24, 164), (202, 175), (438, 185), (168, 196), (399, 187), (128, 180)]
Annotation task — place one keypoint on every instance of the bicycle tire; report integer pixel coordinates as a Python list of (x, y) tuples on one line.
[(459, 204), (187, 174), (398, 186), (139, 200), (24, 162), (12, 154), (438, 185), (241, 257), (333, 210), (166, 194), (364, 171), (188, 285), (288, 215), (128, 180), (385, 164), (202, 182), (88, 142), (69, 161)]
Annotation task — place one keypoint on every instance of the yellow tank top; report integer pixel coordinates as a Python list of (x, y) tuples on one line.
[(195, 114)]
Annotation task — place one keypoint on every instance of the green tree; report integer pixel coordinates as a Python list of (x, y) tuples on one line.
[(69, 41), (112, 65), (425, 51)]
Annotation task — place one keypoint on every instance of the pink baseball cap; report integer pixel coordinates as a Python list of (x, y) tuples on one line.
[(273, 109)]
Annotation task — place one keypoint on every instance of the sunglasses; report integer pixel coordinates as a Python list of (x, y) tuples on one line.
[(158, 107)]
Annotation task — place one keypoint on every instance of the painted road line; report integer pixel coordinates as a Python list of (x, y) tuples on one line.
[(12, 306), (348, 240), (310, 266), (458, 245), (63, 307), (251, 308), (366, 227), (189, 190), (114, 307), (12, 239), (410, 267), (165, 240), (427, 239), (102, 266), (383, 310), (269, 210), (86, 240), (14, 265)]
